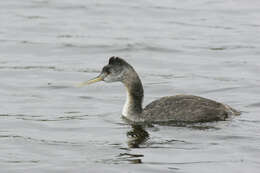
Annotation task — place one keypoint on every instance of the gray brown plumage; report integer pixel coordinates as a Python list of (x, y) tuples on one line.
[(179, 108), (186, 108)]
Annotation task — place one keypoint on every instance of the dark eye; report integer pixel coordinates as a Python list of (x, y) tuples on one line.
[(107, 70)]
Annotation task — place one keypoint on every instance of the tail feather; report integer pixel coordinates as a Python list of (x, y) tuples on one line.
[(232, 110)]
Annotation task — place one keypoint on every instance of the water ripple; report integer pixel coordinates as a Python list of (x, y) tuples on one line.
[(203, 26), (254, 105)]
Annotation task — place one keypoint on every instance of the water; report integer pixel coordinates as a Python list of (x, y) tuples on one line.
[(208, 48)]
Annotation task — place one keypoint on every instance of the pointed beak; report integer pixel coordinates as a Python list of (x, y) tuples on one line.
[(96, 79)]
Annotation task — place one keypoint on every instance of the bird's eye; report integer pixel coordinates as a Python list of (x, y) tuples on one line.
[(108, 70)]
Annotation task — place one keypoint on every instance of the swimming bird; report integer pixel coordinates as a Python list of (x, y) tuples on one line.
[(179, 108)]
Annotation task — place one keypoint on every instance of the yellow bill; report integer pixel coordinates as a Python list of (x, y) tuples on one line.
[(97, 79)]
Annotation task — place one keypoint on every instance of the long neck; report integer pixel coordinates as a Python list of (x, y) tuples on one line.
[(133, 105)]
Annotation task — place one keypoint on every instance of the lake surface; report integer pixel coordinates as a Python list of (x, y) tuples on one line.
[(209, 48)]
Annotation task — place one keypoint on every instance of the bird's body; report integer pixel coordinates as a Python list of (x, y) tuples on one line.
[(186, 108), (179, 108)]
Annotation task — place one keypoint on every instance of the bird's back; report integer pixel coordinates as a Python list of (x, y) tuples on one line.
[(186, 108)]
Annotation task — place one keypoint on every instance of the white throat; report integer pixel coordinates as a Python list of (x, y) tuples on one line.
[(126, 107)]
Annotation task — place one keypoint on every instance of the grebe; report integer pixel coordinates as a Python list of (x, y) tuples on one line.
[(179, 108)]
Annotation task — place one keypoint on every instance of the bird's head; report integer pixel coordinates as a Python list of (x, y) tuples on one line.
[(115, 71)]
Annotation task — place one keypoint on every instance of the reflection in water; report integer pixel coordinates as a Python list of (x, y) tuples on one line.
[(131, 158), (136, 136)]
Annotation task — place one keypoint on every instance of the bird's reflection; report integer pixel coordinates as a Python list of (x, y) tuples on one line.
[(136, 136)]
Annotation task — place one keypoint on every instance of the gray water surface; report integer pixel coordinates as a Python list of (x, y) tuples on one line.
[(208, 48)]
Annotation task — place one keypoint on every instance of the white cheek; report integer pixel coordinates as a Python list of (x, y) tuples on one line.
[(108, 79), (113, 78)]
